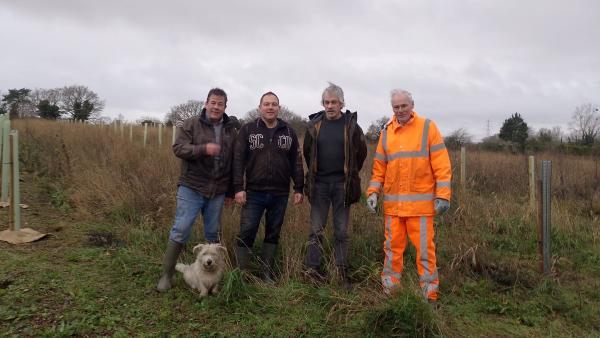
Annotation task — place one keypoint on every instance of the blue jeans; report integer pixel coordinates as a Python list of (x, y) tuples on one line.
[(189, 204), (256, 204), (323, 196)]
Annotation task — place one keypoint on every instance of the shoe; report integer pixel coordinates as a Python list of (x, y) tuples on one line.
[(171, 254), (267, 256), (343, 276), (242, 256)]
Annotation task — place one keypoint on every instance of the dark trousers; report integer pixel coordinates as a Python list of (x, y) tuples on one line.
[(323, 196), (257, 202)]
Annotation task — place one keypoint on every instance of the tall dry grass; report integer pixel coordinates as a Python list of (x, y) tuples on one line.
[(105, 175)]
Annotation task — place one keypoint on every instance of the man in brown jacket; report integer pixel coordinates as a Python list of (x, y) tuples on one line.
[(334, 151), (205, 146)]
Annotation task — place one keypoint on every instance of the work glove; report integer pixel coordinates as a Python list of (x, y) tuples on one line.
[(441, 206), (372, 202)]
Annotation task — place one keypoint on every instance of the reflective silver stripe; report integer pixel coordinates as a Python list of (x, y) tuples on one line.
[(425, 136), (429, 287), (437, 147), (429, 278), (375, 184), (388, 244), (384, 141), (424, 152), (392, 273), (408, 198), (423, 245), (387, 283), (442, 184), (380, 157), (407, 154)]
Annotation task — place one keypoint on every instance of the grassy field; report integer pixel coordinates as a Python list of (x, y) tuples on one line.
[(108, 203)]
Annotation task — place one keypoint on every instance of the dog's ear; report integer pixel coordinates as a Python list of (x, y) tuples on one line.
[(223, 250), (197, 248)]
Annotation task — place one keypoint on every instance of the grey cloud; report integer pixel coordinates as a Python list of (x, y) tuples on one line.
[(466, 62)]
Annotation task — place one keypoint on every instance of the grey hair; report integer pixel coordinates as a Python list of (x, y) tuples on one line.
[(335, 90), (401, 92)]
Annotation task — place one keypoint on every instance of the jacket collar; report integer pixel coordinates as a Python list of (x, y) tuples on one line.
[(393, 122), (317, 117), (225, 119), (261, 124)]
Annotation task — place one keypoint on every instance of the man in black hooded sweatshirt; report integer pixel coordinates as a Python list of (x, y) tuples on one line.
[(267, 155)]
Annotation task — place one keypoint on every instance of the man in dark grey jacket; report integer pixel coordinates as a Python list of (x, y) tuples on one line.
[(334, 150), (205, 146)]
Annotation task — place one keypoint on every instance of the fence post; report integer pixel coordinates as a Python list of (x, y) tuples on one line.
[(174, 133), (5, 159), (544, 213), (463, 167), (532, 203), (3, 195), (131, 132), (160, 134), (145, 133), (16, 190)]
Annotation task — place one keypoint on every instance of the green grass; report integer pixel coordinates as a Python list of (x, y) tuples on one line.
[(87, 281), (95, 274)]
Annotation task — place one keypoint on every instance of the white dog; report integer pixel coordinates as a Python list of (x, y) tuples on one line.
[(207, 271)]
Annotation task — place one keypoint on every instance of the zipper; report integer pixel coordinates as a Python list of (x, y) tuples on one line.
[(270, 177)]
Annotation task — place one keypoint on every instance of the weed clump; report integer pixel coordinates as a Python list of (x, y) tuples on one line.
[(403, 315), (234, 287)]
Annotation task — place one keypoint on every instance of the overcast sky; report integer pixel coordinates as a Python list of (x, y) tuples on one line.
[(466, 62)]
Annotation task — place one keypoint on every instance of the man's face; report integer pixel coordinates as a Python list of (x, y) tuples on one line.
[(269, 108), (402, 107), (215, 107), (332, 105)]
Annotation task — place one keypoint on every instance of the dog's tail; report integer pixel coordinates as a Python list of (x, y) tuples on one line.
[(180, 267)]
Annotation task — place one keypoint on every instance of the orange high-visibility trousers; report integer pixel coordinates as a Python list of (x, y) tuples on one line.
[(420, 231)]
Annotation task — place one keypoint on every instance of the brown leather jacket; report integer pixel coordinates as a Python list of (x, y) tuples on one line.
[(355, 152), (199, 171)]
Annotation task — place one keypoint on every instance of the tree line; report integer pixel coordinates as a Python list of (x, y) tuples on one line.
[(74, 102), (583, 136), (183, 111), (77, 102)]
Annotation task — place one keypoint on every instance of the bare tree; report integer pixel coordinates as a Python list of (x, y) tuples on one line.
[(375, 128), (184, 111), (585, 123), (295, 120), (546, 135), (458, 138), (81, 103), (53, 96)]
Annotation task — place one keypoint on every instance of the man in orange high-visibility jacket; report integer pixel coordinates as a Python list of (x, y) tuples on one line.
[(412, 166)]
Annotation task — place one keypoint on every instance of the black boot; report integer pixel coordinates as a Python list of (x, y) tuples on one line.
[(171, 254), (242, 256), (267, 257), (343, 276)]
